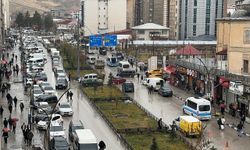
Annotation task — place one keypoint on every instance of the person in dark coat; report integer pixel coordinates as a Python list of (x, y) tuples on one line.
[(10, 122), (15, 101), (160, 124), (71, 95), (239, 128), (102, 145), (5, 122), (243, 119), (10, 108), (5, 136), (21, 106), (1, 110), (30, 137)]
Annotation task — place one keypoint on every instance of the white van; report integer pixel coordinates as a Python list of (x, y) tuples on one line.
[(124, 66), (85, 139), (197, 107), (91, 76), (91, 50), (91, 59), (155, 82)]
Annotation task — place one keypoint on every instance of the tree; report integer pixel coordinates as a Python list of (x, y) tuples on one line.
[(48, 22), (154, 145), (36, 20), (19, 19), (27, 19)]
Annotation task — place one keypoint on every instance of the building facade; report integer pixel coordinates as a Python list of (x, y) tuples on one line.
[(197, 17), (102, 16)]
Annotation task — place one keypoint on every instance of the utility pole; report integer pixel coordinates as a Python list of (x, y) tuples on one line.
[(78, 47)]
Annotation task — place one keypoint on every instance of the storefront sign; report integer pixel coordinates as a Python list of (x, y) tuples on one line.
[(236, 88), (247, 89)]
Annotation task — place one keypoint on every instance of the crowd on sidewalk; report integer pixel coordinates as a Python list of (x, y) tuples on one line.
[(9, 68)]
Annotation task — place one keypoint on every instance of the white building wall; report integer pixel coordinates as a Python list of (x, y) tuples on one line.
[(110, 19), (6, 12), (188, 12)]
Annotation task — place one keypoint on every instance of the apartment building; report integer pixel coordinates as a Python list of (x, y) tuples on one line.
[(102, 16), (197, 17)]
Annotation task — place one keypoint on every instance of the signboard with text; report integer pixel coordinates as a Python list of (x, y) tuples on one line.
[(110, 40), (236, 88), (95, 41)]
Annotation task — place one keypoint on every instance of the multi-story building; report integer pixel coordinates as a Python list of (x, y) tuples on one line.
[(102, 16), (4, 21), (6, 12), (197, 17)]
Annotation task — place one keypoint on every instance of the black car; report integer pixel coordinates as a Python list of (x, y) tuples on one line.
[(165, 91), (59, 143), (47, 98), (41, 76), (61, 83), (73, 125), (103, 51), (128, 87), (119, 56)]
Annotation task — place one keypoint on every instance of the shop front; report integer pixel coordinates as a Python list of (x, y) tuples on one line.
[(221, 89), (235, 94), (244, 103)]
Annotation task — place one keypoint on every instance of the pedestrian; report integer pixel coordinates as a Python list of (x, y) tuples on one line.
[(67, 95), (21, 106), (160, 124), (141, 77), (14, 69), (14, 125), (15, 101), (71, 95), (3, 90), (1, 111), (17, 69), (23, 127), (10, 122), (138, 76), (10, 108), (239, 128), (69, 77), (30, 136), (5, 122), (243, 118), (222, 108), (102, 145), (151, 89), (16, 58), (26, 131), (5, 135)]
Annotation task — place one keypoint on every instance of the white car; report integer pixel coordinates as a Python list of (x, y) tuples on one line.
[(65, 109), (49, 90), (36, 93), (43, 106), (56, 119), (56, 130)]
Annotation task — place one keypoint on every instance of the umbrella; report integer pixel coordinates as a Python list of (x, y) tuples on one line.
[(6, 130), (14, 119)]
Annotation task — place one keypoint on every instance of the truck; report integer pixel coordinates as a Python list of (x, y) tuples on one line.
[(189, 125), (99, 64)]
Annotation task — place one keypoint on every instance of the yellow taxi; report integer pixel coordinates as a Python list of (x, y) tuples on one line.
[(155, 71)]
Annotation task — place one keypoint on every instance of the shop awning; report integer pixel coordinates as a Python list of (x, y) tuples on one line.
[(224, 82), (170, 69)]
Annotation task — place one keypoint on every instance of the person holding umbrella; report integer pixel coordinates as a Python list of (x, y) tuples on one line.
[(14, 122), (5, 134)]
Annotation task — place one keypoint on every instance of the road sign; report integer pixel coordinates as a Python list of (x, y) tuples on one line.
[(110, 40), (95, 41)]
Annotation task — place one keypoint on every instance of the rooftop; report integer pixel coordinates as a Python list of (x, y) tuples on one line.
[(150, 26)]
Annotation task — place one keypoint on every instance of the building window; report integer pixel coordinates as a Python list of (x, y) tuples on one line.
[(195, 2), (140, 31), (245, 66), (194, 30), (247, 36), (195, 15)]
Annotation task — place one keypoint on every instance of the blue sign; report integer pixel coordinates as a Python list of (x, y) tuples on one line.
[(110, 40), (95, 41)]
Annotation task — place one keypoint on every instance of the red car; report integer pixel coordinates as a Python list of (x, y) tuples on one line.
[(118, 80)]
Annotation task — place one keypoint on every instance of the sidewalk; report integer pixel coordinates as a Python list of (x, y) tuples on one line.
[(230, 120), (15, 141)]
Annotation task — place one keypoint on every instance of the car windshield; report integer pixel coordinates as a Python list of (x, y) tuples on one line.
[(64, 106), (61, 80), (62, 144), (88, 146), (38, 92), (77, 127), (48, 88), (166, 89), (56, 128), (60, 71), (204, 108), (126, 66)]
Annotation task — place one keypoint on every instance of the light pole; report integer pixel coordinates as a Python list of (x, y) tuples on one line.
[(78, 47), (208, 77)]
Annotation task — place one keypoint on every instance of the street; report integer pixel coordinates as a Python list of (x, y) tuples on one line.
[(82, 111)]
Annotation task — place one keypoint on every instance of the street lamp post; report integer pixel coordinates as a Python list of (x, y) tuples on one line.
[(78, 48)]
